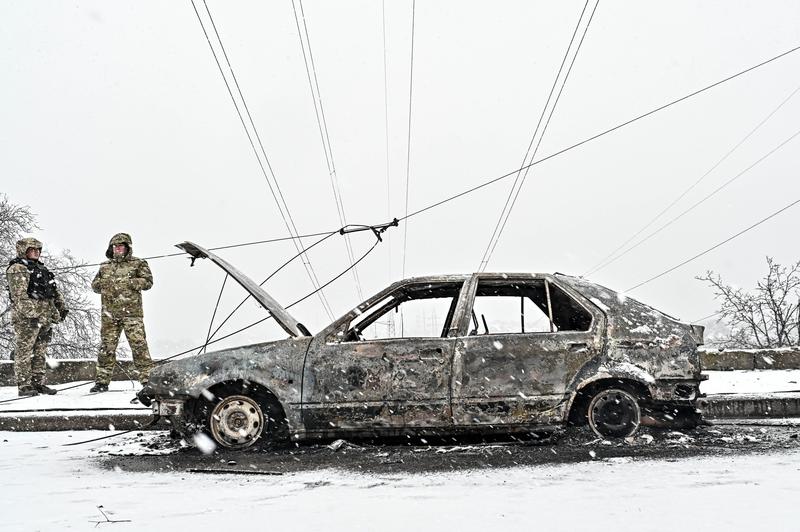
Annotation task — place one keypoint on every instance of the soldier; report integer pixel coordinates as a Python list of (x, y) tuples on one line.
[(120, 282), (36, 305)]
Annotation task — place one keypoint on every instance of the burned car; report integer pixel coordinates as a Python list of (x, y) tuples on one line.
[(452, 354)]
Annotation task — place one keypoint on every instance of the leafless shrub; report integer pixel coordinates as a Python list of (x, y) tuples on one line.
[(77, 336), (767, 317)]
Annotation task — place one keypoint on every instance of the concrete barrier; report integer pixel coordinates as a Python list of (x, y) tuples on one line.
[(743, 406), (749, 359), (68, 370)]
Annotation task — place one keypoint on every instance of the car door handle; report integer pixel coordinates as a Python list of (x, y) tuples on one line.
[(578, 347), (437, 350)]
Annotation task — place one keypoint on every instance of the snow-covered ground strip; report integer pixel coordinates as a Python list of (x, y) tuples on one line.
[(119, 396), (755, 381), (49, 487)]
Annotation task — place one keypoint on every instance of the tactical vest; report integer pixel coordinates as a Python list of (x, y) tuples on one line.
[(42, 284)]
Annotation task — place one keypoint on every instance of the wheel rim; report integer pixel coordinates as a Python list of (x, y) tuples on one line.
[(236, 422), (614, 414)]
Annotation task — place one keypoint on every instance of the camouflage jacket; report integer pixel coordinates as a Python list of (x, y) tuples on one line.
[(120, 282), (23, 305)]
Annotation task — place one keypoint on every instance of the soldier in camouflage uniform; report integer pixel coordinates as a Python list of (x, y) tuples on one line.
[(36, 306), (120, 282)]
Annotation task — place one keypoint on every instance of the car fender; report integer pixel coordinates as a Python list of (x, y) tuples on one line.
[(616, 370)]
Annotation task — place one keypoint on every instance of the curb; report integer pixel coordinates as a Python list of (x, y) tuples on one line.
[(76, 420)]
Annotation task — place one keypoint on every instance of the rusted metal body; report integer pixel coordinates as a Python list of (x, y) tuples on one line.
[(338, 383)]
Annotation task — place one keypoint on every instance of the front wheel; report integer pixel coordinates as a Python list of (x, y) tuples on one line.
[(614, 414), (236, 422)]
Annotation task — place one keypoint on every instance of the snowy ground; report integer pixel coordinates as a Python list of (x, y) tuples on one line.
[(733, 480), (119, 396), (50, 487), (757, 381)]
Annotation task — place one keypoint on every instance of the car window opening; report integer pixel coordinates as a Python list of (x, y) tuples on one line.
[(411, 311), (536, 306)]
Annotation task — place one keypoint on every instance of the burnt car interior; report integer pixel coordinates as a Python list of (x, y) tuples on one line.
[(501, 306), (535, 306), (411, 311)]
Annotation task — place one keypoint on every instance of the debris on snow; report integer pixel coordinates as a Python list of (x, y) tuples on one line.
[(335, 446)]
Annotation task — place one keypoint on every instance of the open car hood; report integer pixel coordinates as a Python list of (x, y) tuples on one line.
[(284, 319)]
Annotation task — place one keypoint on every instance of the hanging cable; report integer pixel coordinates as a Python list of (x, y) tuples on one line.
[(712, 248), (698, 203), (216, 248), (386, 132), (602, 263), (161, 361), (214, 314), (262, 283), (273, 183), (322, 125), (210, 338), (262, 320), (408, 141), (517, 185)]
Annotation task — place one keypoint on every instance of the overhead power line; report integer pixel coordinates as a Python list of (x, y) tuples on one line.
[(519, 180), (322, 125), (698, 203), (386, 131), (599, 135), (408, 142), (603, 262), (704, 318), (712, 248), (216, 248), (270, 178), (490, 181)]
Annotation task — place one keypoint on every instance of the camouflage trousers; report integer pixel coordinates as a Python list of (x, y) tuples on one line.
[(31, 337), (110, 330)]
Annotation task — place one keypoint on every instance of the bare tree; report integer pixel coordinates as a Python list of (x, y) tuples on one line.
[(77, 336), (769, 316)]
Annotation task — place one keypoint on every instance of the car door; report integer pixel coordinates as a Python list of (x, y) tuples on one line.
[(520, 352), (387, 365)]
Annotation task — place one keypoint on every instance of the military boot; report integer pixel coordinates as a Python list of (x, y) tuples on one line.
[(98, 388), (26, 390), (42, 389)]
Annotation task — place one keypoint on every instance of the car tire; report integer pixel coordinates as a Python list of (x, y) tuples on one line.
[(614, 413), (236, 421)]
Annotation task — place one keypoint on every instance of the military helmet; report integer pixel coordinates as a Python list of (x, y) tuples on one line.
[(24, 244)]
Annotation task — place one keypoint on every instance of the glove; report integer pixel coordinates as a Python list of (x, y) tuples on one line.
[(63, 313)]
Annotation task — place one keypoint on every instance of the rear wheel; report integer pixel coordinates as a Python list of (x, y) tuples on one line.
[(614, 414)]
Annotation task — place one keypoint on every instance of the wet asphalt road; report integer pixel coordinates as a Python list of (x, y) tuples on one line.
[(397, 456)]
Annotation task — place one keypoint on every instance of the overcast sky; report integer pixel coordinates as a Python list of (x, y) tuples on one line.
[(115, 118)]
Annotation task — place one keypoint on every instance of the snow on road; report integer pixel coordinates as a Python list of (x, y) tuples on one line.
[(50, 487), (119, 396), (757, 381)]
